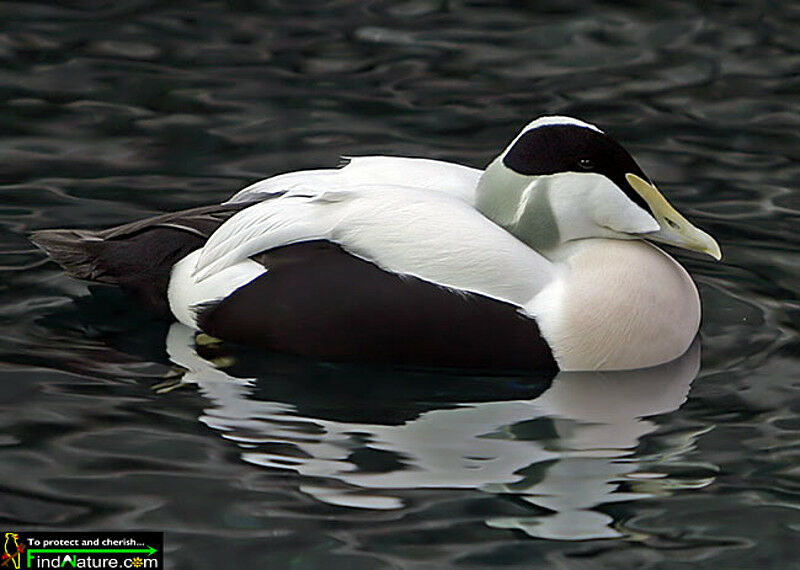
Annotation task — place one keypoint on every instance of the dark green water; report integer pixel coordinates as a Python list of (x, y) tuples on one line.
[(110, 111)]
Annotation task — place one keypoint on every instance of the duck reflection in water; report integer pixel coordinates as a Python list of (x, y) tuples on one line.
[(566, 451)]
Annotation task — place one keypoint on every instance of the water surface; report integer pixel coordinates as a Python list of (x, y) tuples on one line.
[(111, 111)]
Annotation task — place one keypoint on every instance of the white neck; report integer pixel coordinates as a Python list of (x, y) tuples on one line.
[(549, 211), (501, 196), (617, 305)]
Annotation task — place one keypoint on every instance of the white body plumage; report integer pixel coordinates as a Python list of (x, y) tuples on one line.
[(600, 303)]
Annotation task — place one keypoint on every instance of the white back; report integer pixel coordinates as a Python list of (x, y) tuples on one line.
[(424, 174)]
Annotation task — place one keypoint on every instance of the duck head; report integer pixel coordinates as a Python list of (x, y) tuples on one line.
[(562, 179)]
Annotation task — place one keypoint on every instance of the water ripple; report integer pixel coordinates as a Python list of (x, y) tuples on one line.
[(115, 110)]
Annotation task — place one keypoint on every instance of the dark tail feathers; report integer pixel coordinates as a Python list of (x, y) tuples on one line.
[(138, 256), (77, 251)]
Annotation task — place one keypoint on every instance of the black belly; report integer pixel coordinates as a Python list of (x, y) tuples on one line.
[(318, 300)]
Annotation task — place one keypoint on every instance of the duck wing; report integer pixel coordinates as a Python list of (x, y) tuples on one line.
[(406, 231)]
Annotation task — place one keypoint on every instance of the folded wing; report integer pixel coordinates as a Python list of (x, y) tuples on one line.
[(407, 231)]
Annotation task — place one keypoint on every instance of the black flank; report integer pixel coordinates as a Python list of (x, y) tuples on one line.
[(318, 300)]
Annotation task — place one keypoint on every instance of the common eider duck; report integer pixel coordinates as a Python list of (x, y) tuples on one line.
[(543, 260)]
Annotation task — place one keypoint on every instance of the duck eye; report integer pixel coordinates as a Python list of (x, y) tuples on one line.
[(586, 163)]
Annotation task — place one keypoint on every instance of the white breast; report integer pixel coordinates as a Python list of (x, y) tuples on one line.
[(616, 305)]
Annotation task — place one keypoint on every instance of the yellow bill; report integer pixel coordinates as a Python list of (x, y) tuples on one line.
[(675, 229)]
